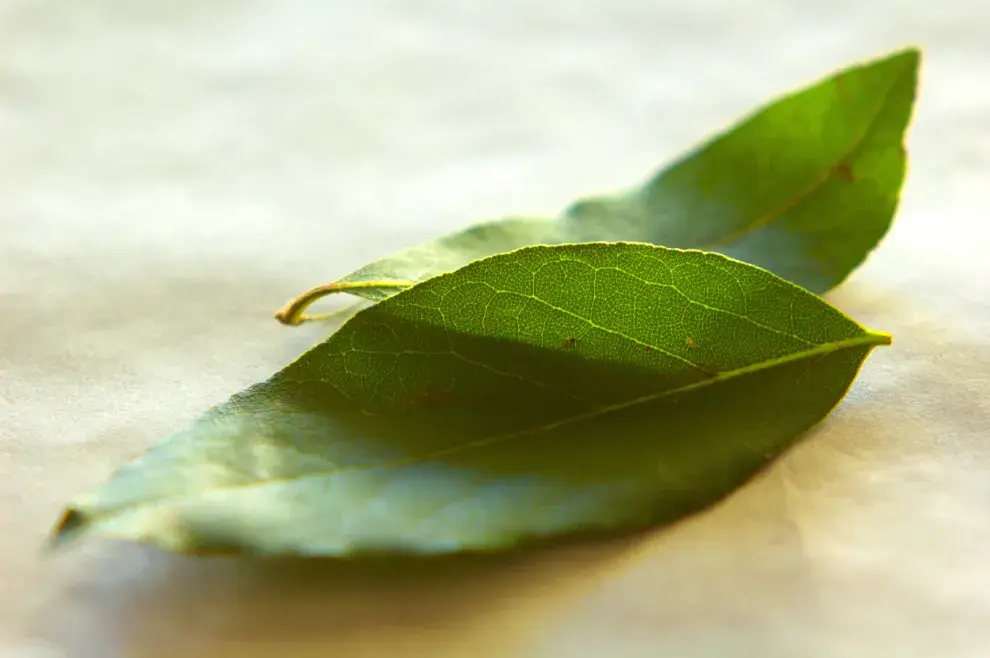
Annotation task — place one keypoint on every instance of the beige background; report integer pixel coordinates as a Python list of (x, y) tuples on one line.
[(172, 171)]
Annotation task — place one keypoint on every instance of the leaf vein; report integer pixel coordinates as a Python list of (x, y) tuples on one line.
[(867, 339)]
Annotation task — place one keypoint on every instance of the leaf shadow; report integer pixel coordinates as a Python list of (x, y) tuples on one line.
[(141, 603)]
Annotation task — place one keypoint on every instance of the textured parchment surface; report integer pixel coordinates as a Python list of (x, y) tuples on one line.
[(172, 171)]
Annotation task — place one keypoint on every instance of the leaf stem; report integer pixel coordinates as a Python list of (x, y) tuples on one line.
[(292, 313)]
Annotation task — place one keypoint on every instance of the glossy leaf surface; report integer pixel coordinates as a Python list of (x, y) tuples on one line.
[(550, 390)]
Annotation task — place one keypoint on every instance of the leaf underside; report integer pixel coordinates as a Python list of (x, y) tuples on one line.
[(805, 187), (546, 391)]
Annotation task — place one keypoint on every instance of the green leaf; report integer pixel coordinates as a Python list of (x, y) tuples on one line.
[(805, 187), (553, 389)]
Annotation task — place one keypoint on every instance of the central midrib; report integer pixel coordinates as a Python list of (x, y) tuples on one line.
[(816, 183), (867, 338)]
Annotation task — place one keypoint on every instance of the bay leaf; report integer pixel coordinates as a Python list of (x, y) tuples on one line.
[(805, 187), (550, 390)]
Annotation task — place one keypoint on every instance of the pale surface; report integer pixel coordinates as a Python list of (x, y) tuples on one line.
[(171, 172)]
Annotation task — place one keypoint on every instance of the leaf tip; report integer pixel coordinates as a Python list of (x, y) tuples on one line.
[(912, 53), (882, 337), (907, 61), (908, 56), (70, 526)]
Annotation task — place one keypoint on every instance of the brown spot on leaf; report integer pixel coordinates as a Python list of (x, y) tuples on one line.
[(570, 342), (845, 172)]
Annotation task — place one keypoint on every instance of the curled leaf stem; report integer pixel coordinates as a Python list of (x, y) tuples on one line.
[(293, 313)]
